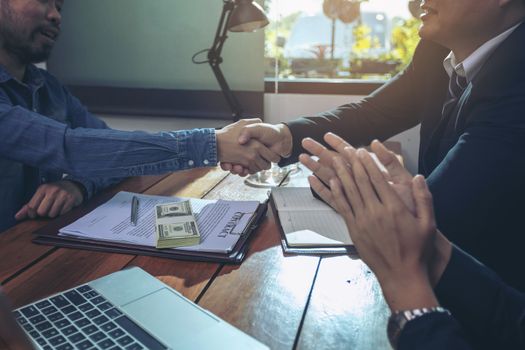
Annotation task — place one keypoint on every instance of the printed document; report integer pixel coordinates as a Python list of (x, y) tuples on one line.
[(220, 222)]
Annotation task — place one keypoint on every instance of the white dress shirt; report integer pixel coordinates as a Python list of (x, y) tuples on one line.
[(473, 63)]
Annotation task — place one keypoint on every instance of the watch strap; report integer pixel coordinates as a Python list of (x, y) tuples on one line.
[(399, 319)]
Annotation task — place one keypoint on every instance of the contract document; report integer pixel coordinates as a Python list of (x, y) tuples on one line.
[(220, 222)]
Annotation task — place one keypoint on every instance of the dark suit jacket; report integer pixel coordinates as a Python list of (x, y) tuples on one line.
[(476, 172), (486, 313)]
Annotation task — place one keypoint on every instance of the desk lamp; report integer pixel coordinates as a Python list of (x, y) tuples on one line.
[(236, 16)]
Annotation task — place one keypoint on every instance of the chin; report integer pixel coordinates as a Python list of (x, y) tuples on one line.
[(427, 32), (40, 55)]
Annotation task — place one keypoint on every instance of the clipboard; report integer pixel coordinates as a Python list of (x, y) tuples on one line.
[(313, 250), (49, 235)]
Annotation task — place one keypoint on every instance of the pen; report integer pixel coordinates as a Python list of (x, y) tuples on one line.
[(134, 210)]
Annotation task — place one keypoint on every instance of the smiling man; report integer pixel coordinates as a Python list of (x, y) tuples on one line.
[(46, 133), (466, 87)]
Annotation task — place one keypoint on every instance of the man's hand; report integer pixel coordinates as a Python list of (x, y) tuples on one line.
[(252, 156), (323, 168), (396, 243), (277, 138), (51, 200)]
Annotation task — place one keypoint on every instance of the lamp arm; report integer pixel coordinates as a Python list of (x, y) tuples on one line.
[(222, 30), (233, 103), (215, 59)]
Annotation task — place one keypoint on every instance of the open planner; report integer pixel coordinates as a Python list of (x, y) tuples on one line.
[(307, 224)]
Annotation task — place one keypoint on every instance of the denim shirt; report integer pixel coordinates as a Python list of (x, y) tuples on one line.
[(46, 135)]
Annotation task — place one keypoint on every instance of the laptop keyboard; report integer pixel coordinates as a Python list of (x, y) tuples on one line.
[(82, 319)]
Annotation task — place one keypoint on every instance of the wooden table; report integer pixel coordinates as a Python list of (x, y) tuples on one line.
[(285, 301)]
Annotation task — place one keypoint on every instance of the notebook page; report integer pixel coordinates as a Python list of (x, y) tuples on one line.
[(297, 198)]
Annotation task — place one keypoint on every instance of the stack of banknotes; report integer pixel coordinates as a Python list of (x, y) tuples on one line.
[(175, 225)]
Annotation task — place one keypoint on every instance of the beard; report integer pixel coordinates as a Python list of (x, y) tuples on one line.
[(21, 43), (27, 52)]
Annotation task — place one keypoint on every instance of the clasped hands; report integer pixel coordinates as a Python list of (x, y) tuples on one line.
[(389, 215)]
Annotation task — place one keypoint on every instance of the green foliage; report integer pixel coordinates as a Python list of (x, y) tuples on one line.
[(363, 41), (404, 39)]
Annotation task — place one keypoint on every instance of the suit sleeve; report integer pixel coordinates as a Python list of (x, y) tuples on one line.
[(491, 312), (486, 313), (389, 110)]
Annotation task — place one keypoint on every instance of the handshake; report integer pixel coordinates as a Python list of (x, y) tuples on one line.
[(249, 146)]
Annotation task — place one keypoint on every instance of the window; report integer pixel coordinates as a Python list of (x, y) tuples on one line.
[(339, 40)]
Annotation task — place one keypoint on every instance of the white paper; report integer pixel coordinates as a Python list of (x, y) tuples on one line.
[(307, 221), (220, 222)]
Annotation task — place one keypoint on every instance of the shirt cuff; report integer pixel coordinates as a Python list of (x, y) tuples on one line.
[(199, 148), (86, 187)]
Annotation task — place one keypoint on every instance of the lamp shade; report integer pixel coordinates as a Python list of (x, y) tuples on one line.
[(247, 16)]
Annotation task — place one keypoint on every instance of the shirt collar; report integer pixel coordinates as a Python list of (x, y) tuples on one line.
[(473, 63), (33, 76)]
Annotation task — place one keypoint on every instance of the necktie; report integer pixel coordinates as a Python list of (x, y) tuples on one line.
[(456, 86), (448, 125)]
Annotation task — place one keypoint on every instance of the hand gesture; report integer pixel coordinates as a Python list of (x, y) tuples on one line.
[(51, 200), (276, 137), (251, 156), (392, 170), (396, 243)]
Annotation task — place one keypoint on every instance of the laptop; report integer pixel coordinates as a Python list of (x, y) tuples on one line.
[(128, 309)]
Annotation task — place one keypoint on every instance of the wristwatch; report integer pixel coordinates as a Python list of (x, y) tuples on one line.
[(399, 319)]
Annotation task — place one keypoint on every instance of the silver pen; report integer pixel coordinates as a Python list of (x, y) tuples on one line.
[(134, 210)]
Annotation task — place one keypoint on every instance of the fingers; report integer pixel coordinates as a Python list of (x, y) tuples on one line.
[(52, 204), (254, 160), (51, 200), (423, 199), (251, 120), (341, 202), (336, 142), (362, 179), (383, 189), (268, 154), (47, 203), (250, 132), (235, 169), (240, 170), (226, 166), (322, 168), (265, 133), (349, 185), (322, 190), (324, 173), (35, 201), (22, 213), (313, 147), (62, 204), (398, 174)]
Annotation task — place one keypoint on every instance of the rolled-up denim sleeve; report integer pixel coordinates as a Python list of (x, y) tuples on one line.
[(90, 153), (79, 116)]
